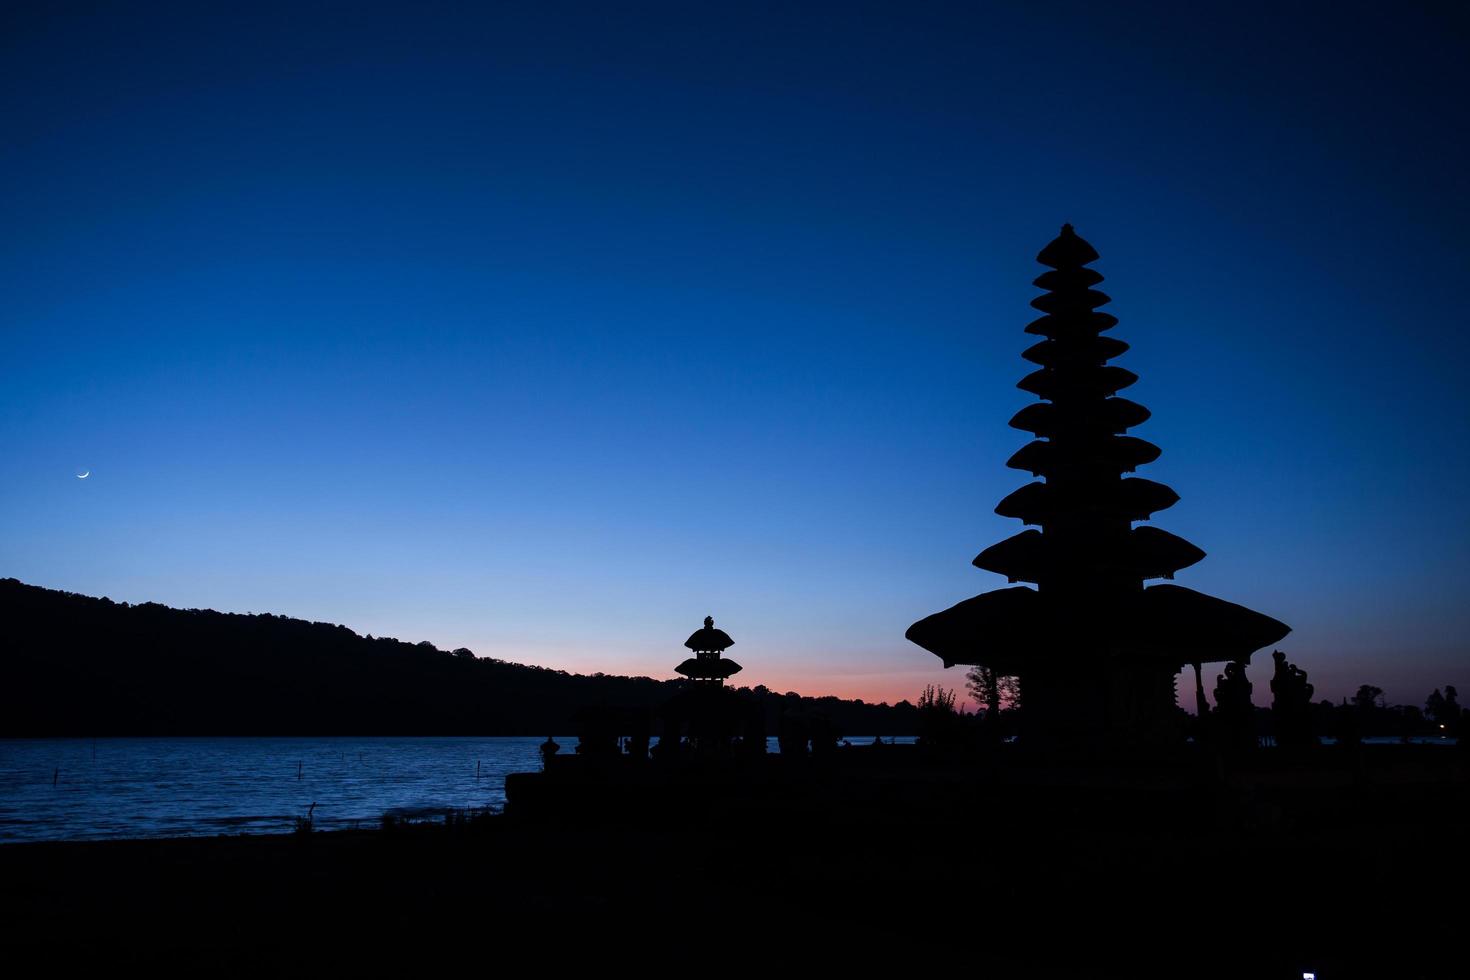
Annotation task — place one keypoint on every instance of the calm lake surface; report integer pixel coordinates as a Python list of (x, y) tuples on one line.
[(166, 787), (75, 789)]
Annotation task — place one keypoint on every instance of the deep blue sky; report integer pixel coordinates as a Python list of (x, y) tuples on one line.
[(548, 329)]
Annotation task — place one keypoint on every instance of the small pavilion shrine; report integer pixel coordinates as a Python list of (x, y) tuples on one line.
[(712, 715), (708, 663), (1095, 649)]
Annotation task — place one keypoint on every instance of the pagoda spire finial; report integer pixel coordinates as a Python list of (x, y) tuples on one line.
[(1068, 250)]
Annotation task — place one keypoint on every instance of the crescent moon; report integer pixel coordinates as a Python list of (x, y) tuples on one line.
[(83, 476)]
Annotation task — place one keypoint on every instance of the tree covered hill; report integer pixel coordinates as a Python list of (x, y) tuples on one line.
[(77, 665)]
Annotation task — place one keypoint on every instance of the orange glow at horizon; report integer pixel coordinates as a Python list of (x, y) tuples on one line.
[(872, 688), (809, 679)]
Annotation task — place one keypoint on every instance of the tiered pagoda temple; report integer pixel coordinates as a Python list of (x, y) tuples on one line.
[(709, 713), (708, 664), (1095, 650)]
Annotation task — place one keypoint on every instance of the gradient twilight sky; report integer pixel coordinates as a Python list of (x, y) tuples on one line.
[(548, 329)]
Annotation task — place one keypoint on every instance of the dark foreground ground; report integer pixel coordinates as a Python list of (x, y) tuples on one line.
[(1340, 867)]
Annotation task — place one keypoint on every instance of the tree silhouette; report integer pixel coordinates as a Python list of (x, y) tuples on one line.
[(75, 665), (937, 699), (940, 722), (992, 691)]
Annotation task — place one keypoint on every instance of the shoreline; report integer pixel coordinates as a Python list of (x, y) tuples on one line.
[(255, 789)]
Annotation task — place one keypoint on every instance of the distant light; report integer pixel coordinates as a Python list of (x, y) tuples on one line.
[(1309, 976)]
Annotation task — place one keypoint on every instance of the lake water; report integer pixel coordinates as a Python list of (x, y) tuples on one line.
[(150, 787), (75, 789)]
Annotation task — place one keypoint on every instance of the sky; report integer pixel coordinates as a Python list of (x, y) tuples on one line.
[(548, 329)]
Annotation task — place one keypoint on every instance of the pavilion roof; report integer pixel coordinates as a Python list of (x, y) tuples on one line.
[(709, 638), (708, 668), (1142, 552), (1009, 629)]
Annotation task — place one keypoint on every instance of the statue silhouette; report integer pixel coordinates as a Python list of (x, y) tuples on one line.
[(1291, 704), (1234, 713)]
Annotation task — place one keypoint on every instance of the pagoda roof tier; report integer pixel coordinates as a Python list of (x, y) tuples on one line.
[(1133, 498), (708, 668), (1100, 380), (1068, 279), (1009, 630), (1067, 250), (1143, 553), (1071, 301), (709, 638), (1072, 324), (1111, 453), (1155, 553), (1116, 415), (1081, 350)]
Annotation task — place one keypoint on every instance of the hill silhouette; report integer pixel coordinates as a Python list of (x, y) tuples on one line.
[(75, 665)]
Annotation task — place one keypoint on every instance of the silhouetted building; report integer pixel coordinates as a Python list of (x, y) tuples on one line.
[(707, 664), (1096, 652), (710, 714)]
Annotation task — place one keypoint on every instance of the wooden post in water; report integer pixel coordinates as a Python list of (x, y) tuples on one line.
[(298, 770)]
